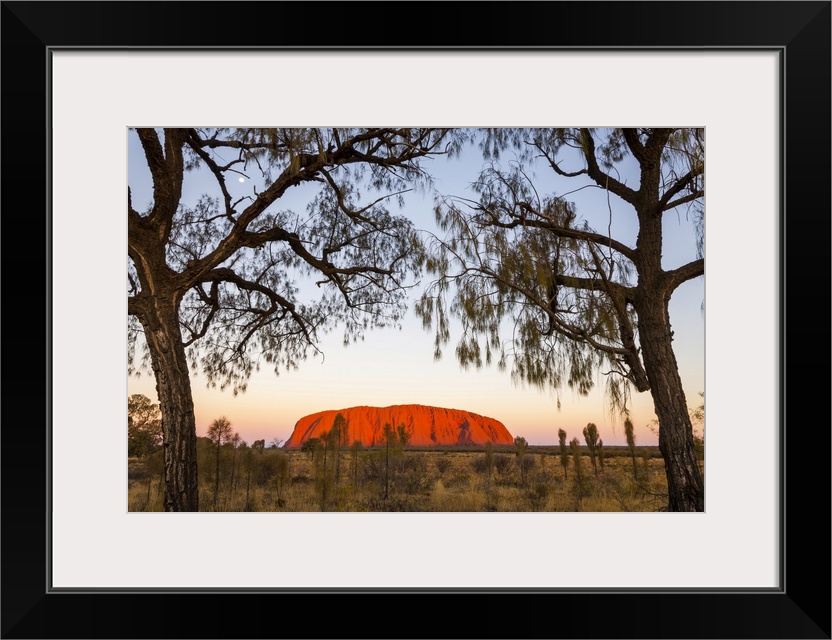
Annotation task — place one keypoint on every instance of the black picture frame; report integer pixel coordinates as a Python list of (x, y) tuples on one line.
[(800, 608)]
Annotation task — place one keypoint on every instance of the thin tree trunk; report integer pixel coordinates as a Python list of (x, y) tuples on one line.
[(217, 479), (248, 480), (387, 468), (233, 465), (325, 481)]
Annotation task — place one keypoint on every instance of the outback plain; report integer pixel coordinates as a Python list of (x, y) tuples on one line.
[(431, 479)]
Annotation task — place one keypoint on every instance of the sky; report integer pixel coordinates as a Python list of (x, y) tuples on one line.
[(393, 366)]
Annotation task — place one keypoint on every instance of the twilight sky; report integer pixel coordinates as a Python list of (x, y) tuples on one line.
[(397, 366)]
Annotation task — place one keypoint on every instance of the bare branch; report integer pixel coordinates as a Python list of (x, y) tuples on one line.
[(601, 178), (684, 273)]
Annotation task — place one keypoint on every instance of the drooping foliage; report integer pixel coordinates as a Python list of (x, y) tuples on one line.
[(559, 295), (260, 283), (221, 282), (527, 262)]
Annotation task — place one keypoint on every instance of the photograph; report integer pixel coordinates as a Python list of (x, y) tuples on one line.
[(417, 314), (416, 319)]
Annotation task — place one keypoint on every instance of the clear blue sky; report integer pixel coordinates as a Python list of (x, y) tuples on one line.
[(397, 367)]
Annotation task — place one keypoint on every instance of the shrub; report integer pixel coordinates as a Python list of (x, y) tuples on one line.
[(502, 463)]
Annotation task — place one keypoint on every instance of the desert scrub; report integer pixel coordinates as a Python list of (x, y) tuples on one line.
[(454, 480)]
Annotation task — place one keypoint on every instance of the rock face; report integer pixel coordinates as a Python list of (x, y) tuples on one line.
[(428, 426)]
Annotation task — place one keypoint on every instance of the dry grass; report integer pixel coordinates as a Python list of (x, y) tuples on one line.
[(433, 480)]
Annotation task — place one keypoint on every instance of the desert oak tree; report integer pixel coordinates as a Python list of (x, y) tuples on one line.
[(224, 283), (576, 299)]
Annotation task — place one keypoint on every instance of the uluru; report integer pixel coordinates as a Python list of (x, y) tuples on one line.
[(428, 426)]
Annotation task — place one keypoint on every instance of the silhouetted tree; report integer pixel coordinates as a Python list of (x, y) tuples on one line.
[(235, 443), (575, 447), (564, 452), (389, 437), (577, 300), (489, 468), (212, 283), (405, 434), (337, 434), (356, 447), (281, 477), (219, 432), (252, 455), (310, 446), (344, 431), (520, 446), (630, 435), (591, 439)]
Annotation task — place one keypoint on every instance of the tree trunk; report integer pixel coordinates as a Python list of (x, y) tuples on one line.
[(248, 481), (685, 486), (387, 467), (233, 465), (217, 475), (686, 491), (173, 386)]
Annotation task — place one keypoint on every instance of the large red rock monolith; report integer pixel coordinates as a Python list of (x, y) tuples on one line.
[(428, 426)]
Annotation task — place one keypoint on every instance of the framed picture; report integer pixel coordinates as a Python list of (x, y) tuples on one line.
[(755, 75)]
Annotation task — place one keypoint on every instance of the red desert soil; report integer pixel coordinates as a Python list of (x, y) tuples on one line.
[(428, 426)]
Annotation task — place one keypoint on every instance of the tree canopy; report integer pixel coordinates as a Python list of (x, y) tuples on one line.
[(574, 299), (220, 285), (243, 270)]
